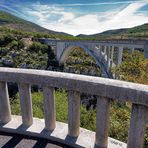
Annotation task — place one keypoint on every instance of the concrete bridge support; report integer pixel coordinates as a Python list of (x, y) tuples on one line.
[(105, 51), (60, 49), (119, 55), (146, 51), (132, 50), (100, 50), (108, 57), (112, 57)]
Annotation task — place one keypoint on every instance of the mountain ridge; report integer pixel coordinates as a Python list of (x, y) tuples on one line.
[(11, 21), (141, 29)]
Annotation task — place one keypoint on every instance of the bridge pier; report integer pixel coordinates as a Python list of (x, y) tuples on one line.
[(105, 48), (59, 49), (132, 50), (108, 57), (112, 57), (146, 51), (119, 55), (100, 50)]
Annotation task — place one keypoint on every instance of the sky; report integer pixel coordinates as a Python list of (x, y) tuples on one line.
[(80, 16)]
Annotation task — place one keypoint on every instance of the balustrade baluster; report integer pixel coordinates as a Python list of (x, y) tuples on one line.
[(26, 103), (49, 108), (139, 117), (73, 113), (102, 122), (5, 112)]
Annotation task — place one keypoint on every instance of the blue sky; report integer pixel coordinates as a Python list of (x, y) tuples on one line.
[(80, 17)]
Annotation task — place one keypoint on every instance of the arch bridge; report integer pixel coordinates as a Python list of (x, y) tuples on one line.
[(103, 51)]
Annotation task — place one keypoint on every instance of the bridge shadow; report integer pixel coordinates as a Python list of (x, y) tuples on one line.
[(71, 139), (18, 140), (12, 142)]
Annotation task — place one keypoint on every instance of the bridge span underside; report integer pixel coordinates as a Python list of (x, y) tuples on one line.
[(103, 52), (99, 59)]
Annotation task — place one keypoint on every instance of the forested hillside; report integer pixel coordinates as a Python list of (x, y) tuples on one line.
[(12, 22), (138, 32), (134, 68)]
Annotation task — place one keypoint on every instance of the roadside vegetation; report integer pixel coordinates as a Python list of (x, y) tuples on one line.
[(134, 68)]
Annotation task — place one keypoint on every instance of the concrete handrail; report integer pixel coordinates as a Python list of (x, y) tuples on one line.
[(104, 89)]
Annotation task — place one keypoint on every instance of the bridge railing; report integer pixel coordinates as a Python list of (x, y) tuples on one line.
[(104, 89)]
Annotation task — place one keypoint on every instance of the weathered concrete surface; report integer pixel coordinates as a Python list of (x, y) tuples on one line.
[(26, 103), (114, 89), (104, 88), (5, 112), (85, 139), (49, 108), (73, 113), (139, 118), (102, 122)]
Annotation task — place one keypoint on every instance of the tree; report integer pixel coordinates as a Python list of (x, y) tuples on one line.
[(134, 68), (36, 47)]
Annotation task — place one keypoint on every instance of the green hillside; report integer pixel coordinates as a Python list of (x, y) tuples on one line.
[(15, 25), (13, 22), (135, 32)]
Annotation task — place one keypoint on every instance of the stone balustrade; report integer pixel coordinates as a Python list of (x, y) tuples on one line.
[(104, 89)]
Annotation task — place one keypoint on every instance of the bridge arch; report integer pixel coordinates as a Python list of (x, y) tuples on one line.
[(89, 50)]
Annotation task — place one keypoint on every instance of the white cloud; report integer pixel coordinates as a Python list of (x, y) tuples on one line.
[(58, 19), (103, 3)]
